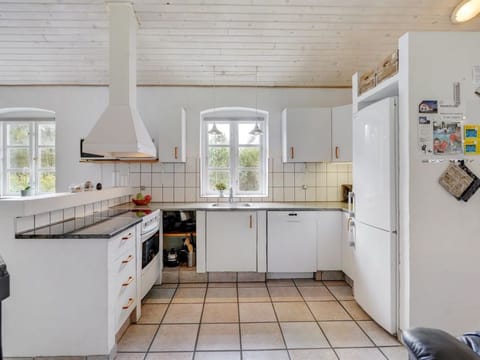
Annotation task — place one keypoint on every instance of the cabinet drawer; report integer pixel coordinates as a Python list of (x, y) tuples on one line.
[(125, 304), (123, 275), (122, 242)]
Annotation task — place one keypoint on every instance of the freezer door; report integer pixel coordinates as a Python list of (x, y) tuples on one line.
[(374, 168), (375, 281)]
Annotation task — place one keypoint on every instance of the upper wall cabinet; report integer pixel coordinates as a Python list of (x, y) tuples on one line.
[(342, 133), (306, 134), (172, 139)]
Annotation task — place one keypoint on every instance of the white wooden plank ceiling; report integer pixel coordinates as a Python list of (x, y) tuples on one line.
[(311, 43)]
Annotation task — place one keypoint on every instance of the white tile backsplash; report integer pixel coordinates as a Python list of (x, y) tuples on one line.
[(181, 182)]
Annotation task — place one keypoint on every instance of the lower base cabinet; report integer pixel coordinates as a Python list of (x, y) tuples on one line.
[(329, 240), (231, 241)]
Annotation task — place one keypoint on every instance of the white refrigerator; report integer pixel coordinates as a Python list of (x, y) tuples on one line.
[(375, 211)]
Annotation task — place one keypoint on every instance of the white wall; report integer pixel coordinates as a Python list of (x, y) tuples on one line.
[(439, 235), (78, 108)]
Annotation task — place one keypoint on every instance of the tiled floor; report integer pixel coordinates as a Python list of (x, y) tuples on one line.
[(280, 319)]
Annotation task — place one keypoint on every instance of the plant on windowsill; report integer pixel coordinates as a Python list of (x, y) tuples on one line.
[(27, 191), (220, 187)]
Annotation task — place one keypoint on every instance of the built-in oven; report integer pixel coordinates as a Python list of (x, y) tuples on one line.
[(151, 244)]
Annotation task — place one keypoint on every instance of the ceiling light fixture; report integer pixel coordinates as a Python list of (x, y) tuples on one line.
[(214, 130), (256, 131), (465, 11)]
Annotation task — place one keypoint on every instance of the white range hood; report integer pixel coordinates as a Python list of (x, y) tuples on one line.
[(120, 132)]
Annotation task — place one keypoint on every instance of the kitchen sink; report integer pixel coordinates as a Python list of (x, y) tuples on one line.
[(230, 205)]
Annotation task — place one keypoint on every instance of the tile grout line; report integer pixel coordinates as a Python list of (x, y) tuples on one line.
[(278, 321), (200, 323), (159, 325), (317, 321), (239, 320)]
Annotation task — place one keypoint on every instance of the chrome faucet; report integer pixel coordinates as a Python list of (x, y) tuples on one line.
[(230, 197)]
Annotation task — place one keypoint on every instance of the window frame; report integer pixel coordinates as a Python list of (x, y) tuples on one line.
[(34, 147), (234, 116)]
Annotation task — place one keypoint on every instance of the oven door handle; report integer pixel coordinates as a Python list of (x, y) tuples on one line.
[(149, 234)]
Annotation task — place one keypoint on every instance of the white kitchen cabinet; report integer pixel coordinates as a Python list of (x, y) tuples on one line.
[(231, 241), (342, 133), (306, 134), (172, 139), (329, 240), (291, 241), (348, 246)]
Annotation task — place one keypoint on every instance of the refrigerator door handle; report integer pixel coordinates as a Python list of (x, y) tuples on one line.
[(351, 231), (351, 204)]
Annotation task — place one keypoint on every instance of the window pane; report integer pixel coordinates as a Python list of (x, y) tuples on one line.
[(244, 136), (46, 181), (218, 157), (18, 134), (46, 134), (223, 138), (47, 158), (17, 181), (18, 158), (249, 157), (215, 177), (249, 180)]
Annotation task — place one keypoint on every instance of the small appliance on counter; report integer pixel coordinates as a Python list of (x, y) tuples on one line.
[(346, 188)]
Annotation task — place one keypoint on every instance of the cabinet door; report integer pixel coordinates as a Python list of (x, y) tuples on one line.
[(306, 134), (291, 241), (231, 241), (348, 249), (172, 139), (329, 240), (342, 133)]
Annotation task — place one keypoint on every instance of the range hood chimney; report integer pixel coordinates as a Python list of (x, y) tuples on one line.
[(120, 132)]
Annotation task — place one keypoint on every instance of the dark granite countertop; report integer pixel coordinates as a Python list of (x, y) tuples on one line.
[(102, 225)]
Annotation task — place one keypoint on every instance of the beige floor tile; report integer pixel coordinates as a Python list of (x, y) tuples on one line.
[(328, 310), (344, 334), (280, 282), (307, 282), (312, 354), (395, 353), (220, 313), (256, 312), (258, 294), (152, 313), (341, 292), (218, 337), (192, 285), (159, 295), (360, 354), (177, 337), (137, 338), (292, 311), (250, 276), (217, 355), (183, 314), (282, 293), (315, 293), (222, 285), (166, 286), (303, 335), (252, 284), (189, 295), (221, 295), (261, 336), (122, 356), (170, 356), (190, 275), (355, 311), (379, 336), (265, 355)]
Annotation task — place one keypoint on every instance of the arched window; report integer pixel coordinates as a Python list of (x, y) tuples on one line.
[(27, 144), (235, 156)]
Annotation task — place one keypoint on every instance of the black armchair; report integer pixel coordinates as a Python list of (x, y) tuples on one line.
[(434, 344)]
